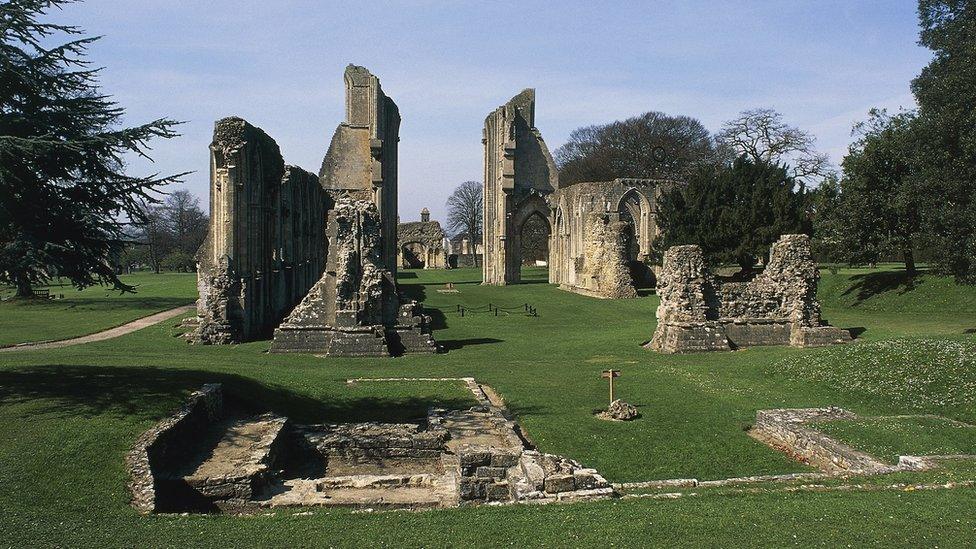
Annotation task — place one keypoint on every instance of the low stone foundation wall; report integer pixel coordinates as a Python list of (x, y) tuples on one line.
[(787, 430), (370, 441), (166, 443)]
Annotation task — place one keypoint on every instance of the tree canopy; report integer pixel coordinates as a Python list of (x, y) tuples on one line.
[(734, 212), (465, 211), (652, 144), (65, 196), (946, 94)]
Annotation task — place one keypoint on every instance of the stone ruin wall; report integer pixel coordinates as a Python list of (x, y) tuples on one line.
[(424, 240), (354, 309), (604, 272), (280, 236), (628, 206), (700, 312), (518, 170), (266, 242)]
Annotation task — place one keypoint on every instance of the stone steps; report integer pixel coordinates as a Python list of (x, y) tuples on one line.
[(240, 464)]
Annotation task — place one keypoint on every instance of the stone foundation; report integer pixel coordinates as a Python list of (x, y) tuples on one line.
[(701, 312), (787, 430), (201, 460)]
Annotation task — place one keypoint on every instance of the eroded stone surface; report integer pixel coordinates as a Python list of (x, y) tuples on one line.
[(700, 312)]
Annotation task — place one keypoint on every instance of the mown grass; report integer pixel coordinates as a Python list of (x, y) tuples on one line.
[(890, 437), (68, 415), (90, 310)]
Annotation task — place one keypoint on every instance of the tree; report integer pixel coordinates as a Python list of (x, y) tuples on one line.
[(763, 137), (829, 234), (185, 220), (155, 235), (946, 92), (653, 144), (64, 195), (465, 211), (882, 191), (733, 212)]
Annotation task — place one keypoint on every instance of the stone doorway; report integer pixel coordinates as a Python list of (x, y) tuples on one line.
[(534, 235)]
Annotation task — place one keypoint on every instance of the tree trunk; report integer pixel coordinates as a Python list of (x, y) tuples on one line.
[(24, 288), (909, 256)]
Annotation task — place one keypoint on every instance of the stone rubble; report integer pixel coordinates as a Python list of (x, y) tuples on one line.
[(620, 411), (699, 312)]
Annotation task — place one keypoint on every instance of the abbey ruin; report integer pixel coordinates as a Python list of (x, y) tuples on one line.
[(421, 244), (311, 259), (702, 312), (600, 233)]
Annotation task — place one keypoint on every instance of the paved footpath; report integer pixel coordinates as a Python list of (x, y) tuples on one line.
[(122, 330)]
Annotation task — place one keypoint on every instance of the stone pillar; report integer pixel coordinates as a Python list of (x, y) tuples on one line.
[(516, 161), (688, 309)]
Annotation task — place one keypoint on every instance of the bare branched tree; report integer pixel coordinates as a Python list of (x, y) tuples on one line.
[(465, 211), (763, 137)]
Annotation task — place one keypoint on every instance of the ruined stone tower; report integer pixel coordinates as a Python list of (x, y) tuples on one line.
[(519, 173), (355, 309)]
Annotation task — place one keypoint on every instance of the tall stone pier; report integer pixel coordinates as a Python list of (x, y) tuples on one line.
[(519, 174), (355, 308), (266, 244)]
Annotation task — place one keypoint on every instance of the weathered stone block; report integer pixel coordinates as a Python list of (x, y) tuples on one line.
[(559, 482)]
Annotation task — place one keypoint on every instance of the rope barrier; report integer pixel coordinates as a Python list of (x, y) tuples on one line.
[(496, 310)]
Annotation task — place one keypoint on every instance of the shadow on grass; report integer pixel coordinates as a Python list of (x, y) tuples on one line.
[(969, 331), (98, 304), (869, 285), (856, 331), (151, 393), (454, 344)]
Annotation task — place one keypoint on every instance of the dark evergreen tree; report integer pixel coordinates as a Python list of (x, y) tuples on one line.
[(882, 197), (65, 198), (946, 95), (733, 212)]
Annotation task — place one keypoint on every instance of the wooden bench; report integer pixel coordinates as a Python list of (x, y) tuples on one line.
[(46, 294)]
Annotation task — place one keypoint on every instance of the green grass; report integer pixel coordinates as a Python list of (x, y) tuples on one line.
[(890, 437), (68, 415), (92, 309)]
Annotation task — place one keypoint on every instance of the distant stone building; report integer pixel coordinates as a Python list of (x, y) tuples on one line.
[(421, 244), (599, 233), (702, 312), (462, 252), (315, 257)]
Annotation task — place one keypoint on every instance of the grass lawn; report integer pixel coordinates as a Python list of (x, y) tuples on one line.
[(68, 415), (92, 309)]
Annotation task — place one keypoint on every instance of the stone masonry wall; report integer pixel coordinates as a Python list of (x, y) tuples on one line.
[(163, 444), (605, 272), (699, 312), (266, 242)]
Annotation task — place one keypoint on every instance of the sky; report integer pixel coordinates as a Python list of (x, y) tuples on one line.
[(447, 64)]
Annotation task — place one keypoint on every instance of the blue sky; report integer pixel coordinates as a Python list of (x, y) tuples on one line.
[(447, 64)]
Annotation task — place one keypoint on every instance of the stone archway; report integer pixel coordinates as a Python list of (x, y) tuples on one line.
[(534, 237), (634, 212), (533, 213), (414, 255)]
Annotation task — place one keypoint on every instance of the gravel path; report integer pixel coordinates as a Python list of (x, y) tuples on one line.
[(122, 330)]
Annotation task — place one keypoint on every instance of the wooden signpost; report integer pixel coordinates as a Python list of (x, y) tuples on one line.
[(610, 374)]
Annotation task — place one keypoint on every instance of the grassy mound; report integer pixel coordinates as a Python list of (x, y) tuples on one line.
[(911, 374)]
